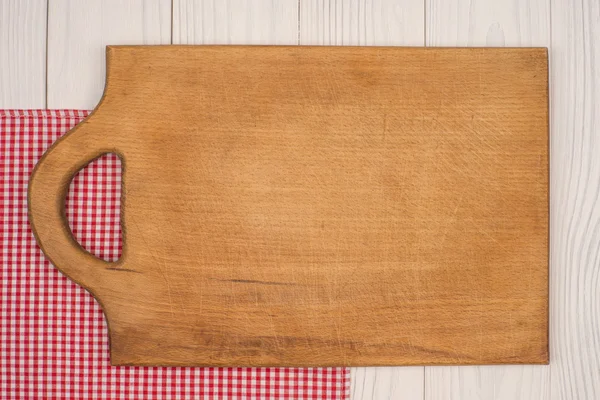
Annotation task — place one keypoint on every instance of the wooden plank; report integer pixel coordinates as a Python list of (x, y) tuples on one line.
[(23, 54), (373, 22), (488, 382), (235, 22), (362, 23), (78, 32), (488, 23), (575, 172), (386, 383), (250, 181)]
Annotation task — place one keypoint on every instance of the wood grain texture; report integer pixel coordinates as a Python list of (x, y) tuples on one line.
[(382, 383), (378, 23), (235, 22), (22, 54), (507, 382), (362, 23), (575, 200), (78, 32), (349, 206), (488, 23)]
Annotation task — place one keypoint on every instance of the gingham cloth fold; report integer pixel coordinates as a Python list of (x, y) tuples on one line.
[(54, 341)]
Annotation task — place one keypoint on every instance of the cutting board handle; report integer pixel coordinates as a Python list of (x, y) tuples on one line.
[(48, 187)]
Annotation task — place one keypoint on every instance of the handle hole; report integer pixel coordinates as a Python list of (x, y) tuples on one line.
[(93, 207)]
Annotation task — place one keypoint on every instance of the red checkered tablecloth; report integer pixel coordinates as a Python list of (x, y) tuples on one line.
[(54, 341)]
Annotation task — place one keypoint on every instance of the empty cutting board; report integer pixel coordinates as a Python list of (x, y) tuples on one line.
[(316, 206)]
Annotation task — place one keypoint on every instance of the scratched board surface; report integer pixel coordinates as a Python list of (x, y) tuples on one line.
[(314, 206)]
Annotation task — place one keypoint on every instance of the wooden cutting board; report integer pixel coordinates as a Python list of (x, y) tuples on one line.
[(316, 206)]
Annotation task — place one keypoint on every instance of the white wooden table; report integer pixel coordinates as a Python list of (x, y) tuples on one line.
[(52, 56)]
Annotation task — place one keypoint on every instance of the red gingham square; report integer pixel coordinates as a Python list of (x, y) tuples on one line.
[(54, 341)]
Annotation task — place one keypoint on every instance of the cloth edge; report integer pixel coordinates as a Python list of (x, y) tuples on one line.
[(42, 113)]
